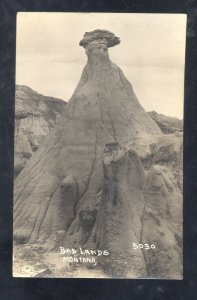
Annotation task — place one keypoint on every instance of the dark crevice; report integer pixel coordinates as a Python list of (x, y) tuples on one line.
[(86, 189), (112, 125)]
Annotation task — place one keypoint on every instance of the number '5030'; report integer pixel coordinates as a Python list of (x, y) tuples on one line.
[(145, 246)]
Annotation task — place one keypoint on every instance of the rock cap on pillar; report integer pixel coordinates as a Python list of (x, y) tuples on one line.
[(99, 37)]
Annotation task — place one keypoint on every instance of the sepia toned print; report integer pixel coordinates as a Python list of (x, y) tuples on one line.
[(98, 179)]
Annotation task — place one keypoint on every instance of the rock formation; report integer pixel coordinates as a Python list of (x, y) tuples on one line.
[(96, 181), (35, 115), (167, 124)]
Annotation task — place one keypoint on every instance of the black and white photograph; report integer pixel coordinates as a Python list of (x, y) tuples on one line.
[(98, 150)]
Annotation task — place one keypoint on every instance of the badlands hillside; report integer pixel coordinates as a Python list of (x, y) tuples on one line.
[(167, 124), (106, 178), (35, 115)]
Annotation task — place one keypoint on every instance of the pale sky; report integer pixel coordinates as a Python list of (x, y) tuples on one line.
[(151, 54)]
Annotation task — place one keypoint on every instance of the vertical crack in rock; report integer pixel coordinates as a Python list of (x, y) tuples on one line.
[(92, 168), (45, 212), (112, 125), (74, 223)]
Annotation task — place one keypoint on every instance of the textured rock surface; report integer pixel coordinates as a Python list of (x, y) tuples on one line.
[(99, 36), (121, 207), (169, 153), (90, 183), (167, 124), (162, 224), (35, 116)]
